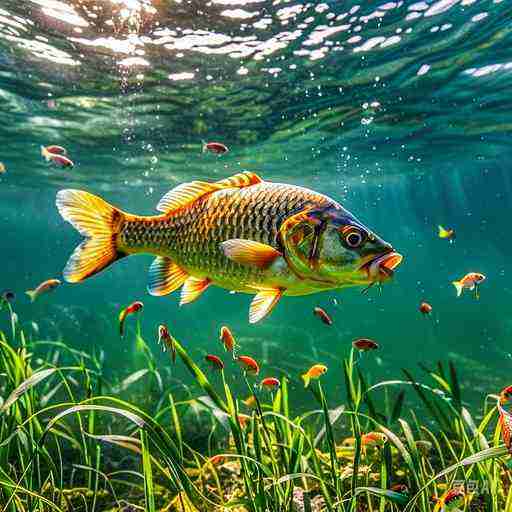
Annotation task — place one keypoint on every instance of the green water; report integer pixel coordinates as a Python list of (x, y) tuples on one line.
[(400, 111)]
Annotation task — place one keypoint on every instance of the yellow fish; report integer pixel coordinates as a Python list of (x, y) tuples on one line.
[(315, 372), (446, 233), (241, 233)]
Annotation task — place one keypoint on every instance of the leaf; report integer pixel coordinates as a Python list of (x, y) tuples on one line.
[(397, 408), (131, 379), (395, 497), (32, 381)]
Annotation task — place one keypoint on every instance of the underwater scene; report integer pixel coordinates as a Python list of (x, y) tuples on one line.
[(255, 255)]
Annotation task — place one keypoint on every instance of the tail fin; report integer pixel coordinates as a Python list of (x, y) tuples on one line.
[(32, 294), (458, 287), (98, 222), (45, 154), (306, 379)]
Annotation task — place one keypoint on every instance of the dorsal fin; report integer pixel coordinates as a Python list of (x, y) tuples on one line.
[(240, 180), (187, 193), (184, 194)]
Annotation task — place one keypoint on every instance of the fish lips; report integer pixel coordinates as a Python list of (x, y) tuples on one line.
[(382, 267)]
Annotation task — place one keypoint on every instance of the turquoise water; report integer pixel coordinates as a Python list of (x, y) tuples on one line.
[(401, 111)]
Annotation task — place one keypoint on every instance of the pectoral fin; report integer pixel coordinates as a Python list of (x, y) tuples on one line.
[(193, 287), (263, 303), (165, 276), (248, 252)]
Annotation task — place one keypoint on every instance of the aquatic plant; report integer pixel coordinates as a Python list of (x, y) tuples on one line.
[(69, 442)]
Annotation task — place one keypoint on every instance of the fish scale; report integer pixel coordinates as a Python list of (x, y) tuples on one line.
[(191, 237)]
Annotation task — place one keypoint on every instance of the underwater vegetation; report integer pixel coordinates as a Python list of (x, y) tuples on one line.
[(69, 440)]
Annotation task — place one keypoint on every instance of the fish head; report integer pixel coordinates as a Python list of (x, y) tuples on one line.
[(329, 245)]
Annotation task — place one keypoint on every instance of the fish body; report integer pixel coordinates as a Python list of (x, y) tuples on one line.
[(134, 307), (365, 344), (270, 383), (450, 500), (215, 147), (505, 417), (470, 281), (227, 338), (315, 372), (214, 362), (448, 234), (373, 439), (3, 168), (167, 340), (322, 314), (44, 287), (425, 308), (241, 233), (248, 364)]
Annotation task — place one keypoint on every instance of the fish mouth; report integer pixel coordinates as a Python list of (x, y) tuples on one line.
[(383, 266)]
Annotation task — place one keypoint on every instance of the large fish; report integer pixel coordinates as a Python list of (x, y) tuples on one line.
[(240, 233)]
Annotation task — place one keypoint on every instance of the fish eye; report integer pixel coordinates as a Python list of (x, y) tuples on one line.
[(353, 237)]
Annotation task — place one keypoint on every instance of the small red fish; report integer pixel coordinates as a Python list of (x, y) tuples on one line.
[(452, 498), (425, 308), (62, 161), (401, 488), (270, 383), (217, 459), (373, 439), (227, 338), (132, 308), (248, 364), (365, 344), (54, 150), (214, 362), (470, 281), (167, 340), (45, 286), (320, 313), (215, 147)]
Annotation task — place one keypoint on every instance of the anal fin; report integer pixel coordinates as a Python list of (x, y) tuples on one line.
[(165, 276), (193, 287), (249, 252), (263, 303)]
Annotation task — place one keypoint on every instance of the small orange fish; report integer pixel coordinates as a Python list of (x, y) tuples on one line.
[(227, 338), (425, 308), (315, 372), (216, 459), (215, 147), (243, 420), (250, 402), (505, 418), (45, 286), (270, 383), (248, 364), (167, 340), (214, 362), (448, 234), (365, 344), (3, 169), (470, 281), (132, 308), (373, 439), (320, 313), (450, 500)]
